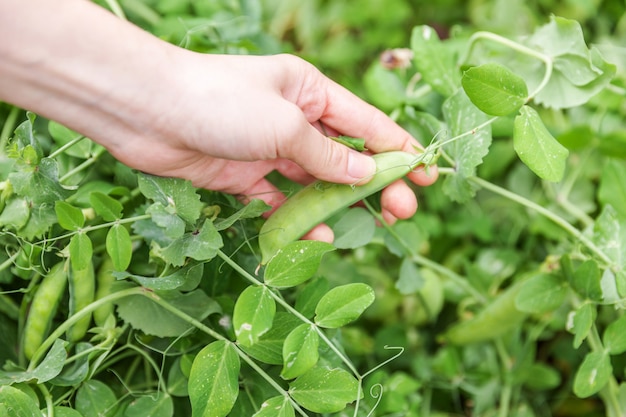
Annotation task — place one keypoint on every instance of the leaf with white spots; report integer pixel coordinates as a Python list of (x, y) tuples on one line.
[(300, 351), (214, 380), (253, 315), (593, 374), (276, 407), (295, 263)]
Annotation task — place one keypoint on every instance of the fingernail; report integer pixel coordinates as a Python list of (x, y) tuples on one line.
[(360, 166)]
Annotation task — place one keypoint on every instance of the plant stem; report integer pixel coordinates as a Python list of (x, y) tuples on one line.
[(291, 310), (86, 164), (8, 127), (564, 224), (97, 227), (66, 146)]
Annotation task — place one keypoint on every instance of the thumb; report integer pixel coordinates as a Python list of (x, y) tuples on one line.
[(328, 160)]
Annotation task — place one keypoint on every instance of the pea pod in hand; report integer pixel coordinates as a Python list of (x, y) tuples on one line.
[(320, 200)]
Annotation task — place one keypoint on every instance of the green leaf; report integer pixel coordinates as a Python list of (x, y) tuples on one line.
[(144, 314), (81, 251), (537, 148), (586, 280), (155, 405), (49, 368), (410, 279), (187, 277), (176, 195), (70, 217), (15, 214), (76, 372), (109, 208), (173, 226), (95, 398), (310, 295), (614, 338), (40, 185), (323, 390), (609, 234), (16, 403), (200, 245), (541, 293), (581, 321), (276, 407), (119, 246), (60, 411), (612, 189), (214, 380), (253, 314), (354, 229), (251, 210), (594, 373), (385, 89), (269, 348), (295, 263), (435, 60), (494, 89), (468, 152), (343, 304), (300, 352)]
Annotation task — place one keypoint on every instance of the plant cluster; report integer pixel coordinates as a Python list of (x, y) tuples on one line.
[(126, 294)]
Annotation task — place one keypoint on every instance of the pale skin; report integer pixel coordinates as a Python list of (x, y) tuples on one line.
[(224, 122)]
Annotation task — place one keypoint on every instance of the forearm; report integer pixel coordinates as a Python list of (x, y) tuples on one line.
[(76, 63)]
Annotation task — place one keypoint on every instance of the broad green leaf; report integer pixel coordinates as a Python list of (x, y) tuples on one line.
[(200, 245), (70, 217), (586, 280), (593, 374), (323, 390), (295, 263), (81, 251), (214, 380), (109, 208), (310, 295), (41, 185), (578, 74), (25, 136), (343, 305), (119, 246), (435, 60), (612, 189), (613, 144), (177, 382), (253, 315), (410, 280), (494, 89), (76, 372), (354, 229), (173, 225), (580, 322), (269, 348), (16, 403), (95, 398), (537, 148), (83, 148), (185, 279), (144, 314), (49, 368), (15, 214), (177, 195), (154, 405), (41, 218), (60, 411), (251, 210), (614, 338), (542, 377), (541, 293), (300, 352), (276, 407), (384, 88), (468, 151)]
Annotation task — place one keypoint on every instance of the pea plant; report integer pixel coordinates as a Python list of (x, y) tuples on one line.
[(126, 294)]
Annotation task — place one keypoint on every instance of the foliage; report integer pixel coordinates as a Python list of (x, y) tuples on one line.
[(504, 294)]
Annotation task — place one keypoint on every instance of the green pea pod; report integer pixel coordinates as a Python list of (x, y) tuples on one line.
[(320, 200), (491, 322), (44, 307), (104, 282), (82, 289)]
